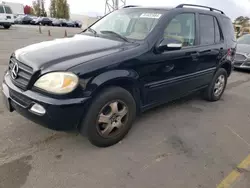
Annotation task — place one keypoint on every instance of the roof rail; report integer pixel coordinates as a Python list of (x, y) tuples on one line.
[(191, 5), (130, 6)]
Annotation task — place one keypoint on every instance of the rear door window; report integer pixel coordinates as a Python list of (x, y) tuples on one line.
[(8, 10), (207, 34), (1, 10)]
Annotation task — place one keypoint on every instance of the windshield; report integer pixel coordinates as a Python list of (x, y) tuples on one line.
[(8, 10), (131, 23), (245, 39)]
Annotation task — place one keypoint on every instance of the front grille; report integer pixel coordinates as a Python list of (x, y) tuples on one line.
[(23, 75), (238, 63), (247, 63), (240, 57), (20, 99)]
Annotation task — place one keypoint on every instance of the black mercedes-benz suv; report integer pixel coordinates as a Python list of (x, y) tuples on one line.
[(129, 61)]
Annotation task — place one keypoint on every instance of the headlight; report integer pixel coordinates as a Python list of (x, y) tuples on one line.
[(58, 82)]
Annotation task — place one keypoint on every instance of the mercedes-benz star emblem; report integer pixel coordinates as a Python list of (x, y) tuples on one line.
[(14, 71)]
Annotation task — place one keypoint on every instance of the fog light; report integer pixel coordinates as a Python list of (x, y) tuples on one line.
[(38, 109)]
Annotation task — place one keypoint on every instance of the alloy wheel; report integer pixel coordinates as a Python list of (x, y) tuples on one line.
[(112, 119), (219, 85)]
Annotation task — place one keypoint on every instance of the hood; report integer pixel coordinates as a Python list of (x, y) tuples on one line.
[(243, 48), (65, 53)]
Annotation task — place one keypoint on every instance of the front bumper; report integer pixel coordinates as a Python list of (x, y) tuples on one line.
[(6, 23), (61, 114), (242, 65)]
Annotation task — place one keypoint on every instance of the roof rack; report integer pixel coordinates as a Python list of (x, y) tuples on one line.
[(191, 5), (130, 6)]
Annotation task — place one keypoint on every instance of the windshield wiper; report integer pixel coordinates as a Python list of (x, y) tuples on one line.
[(116, 34), (92, 31)]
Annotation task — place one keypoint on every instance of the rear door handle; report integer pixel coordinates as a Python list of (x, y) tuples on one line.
[(168, 68), (206, 51)]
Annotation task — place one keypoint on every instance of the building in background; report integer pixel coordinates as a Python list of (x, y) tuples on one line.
[(17, 8)]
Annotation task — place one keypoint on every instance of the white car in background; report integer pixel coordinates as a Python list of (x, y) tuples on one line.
[(6, 16)]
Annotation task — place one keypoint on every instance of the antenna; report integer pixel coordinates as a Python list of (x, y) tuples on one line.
[(111, 5)]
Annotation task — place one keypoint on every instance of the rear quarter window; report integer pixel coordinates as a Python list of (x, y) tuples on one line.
[(1, 9), (228, 30)]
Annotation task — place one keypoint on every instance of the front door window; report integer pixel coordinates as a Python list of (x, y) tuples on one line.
[(181, 29)]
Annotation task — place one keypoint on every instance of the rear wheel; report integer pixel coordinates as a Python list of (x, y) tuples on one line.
[(109, 117), (217, 86), (6, 26)]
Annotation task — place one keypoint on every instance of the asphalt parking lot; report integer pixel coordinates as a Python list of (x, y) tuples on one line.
[(190, 143)]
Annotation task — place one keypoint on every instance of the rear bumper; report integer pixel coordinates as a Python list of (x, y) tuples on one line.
[(60, 114)]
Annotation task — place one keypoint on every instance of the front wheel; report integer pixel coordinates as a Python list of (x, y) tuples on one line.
[(109, 117), (217, 86)]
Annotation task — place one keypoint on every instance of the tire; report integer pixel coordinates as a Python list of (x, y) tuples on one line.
[(6, 26), (210, 92), (90, 125)]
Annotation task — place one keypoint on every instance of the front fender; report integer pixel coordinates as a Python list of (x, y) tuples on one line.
[(112, 76)]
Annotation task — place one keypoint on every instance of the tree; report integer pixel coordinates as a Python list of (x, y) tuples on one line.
[(62, 9), (52, 8), (36, 7), (39, 9), (66, 10), (43, 12), (32, 12), (241, 20)]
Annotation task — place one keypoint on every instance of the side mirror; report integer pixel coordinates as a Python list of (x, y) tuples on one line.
[(167, 45)]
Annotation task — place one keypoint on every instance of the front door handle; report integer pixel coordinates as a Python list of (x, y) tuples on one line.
[(195, 54), (168, 68)]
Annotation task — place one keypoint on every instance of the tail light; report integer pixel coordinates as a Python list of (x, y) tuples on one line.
[(229, 52)]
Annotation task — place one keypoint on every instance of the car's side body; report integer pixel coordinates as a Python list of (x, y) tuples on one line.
[(45, 21), (77, 23), (26, 20), (151, 76), (34, 20), (56, 22), (149, 72)]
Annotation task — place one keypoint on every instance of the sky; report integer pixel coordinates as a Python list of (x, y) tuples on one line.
[(232, 8)]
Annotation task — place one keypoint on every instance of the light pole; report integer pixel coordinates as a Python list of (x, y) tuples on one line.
[(111, 5)]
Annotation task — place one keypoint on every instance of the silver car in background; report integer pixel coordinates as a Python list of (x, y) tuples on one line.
[(242, 58)]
